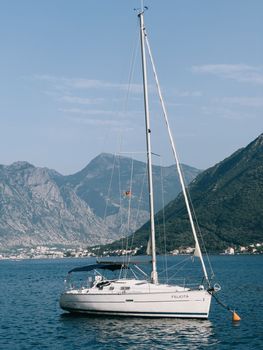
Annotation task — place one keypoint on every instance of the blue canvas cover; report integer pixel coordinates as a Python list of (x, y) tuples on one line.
[(111, 267)]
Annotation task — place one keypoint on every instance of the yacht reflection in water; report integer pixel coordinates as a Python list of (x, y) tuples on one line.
[(149, 333)]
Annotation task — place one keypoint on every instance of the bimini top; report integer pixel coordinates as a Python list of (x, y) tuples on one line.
[(103, 266)]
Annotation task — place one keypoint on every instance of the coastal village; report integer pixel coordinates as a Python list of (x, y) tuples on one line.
[(44, 252)]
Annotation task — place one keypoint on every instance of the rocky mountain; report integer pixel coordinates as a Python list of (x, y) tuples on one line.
[(228, 204), (41, 206), (107, 178), (35, 210)]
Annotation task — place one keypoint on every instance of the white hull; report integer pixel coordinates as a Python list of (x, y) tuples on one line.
[(146, 300)]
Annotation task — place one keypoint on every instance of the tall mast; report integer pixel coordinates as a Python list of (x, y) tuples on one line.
[(154, 275)]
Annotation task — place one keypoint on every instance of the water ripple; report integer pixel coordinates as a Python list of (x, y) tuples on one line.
[(31, 318)]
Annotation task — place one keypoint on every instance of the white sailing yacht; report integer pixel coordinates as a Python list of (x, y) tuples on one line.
[(142, 297)]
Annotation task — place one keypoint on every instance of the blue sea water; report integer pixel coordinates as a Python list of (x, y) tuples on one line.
[(31, 317)]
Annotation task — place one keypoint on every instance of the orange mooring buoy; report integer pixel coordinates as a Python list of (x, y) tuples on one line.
[(235, 317)]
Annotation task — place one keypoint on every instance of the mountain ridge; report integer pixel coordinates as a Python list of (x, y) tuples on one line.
[(228, 203), (39, 206)]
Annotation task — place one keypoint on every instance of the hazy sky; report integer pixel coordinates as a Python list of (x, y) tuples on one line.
[(71, 87)]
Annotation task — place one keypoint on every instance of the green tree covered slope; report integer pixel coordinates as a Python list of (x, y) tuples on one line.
[(228, 202)]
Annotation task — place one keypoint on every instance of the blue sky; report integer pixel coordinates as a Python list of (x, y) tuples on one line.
[(65, 95)]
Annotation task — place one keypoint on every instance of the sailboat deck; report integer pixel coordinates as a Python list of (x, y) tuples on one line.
[(127, 286)]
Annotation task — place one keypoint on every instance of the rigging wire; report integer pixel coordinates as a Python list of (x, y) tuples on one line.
[(161, 226), (109, 189), (138, 208), (200, 234), (130, 76), (179, 268), (141, 193), (131, 72), (177, 163), (164, 223), (120, 199), (122, 110), (130, 195), (129, 209), (198, 226)]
